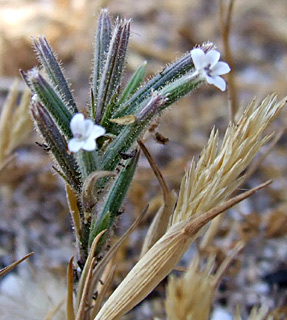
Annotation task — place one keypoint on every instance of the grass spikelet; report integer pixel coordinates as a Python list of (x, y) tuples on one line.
[(185, 294), (191, 296), (218, 173)]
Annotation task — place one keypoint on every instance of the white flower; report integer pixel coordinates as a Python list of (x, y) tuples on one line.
[(209, 68), (85, 133)]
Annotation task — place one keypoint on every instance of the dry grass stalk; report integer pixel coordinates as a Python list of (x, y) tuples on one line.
[(160, 260), (105, 284), (84, 303), (8, 160), (225, 15), (217, 173), (54, 311), (15, 123), (70, 291), (86, 275), (14, 264), (160, 222)]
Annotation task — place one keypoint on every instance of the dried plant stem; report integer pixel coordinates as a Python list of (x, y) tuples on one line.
[(85, 276), (161, 219), (107, 280), (70, 291), (8, 160), (51, 314), (225, 16), (14, 264), (226, 263), (155, 169), (84, 302)]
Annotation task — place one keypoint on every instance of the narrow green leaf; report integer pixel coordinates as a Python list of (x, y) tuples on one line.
[(49, 62), (96, 229), (173, 91), (133, 84), (179, 88), (50, 99), (111, 77), (103, 38), (115, 197), (105, 121), (87, 161), (57, 145)]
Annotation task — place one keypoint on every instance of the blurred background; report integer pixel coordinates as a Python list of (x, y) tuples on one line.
[(33, 210)]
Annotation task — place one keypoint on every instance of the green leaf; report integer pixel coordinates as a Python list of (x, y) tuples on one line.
[(133, 84), (179, 88), (103, 38), (87, 161), (54, 72), (57, 145), (50, 99), (96, 229), (111, 76), (115, 197), (130, 133)]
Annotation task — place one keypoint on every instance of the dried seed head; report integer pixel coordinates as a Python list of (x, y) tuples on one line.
[(218, 171)]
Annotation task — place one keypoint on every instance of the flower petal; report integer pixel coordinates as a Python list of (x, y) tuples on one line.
[(220, 68), (210, 80), (89, 126), (90, 144), (74, 145), (77, 124), (219, 83), (97, 131), (212, 57), (198, 58)]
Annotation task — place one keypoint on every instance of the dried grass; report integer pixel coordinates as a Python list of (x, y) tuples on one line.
[(218, 173), (15, 122)]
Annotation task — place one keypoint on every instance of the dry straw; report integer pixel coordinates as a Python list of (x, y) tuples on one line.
[(15, 122), (204, 186), (184, 299)]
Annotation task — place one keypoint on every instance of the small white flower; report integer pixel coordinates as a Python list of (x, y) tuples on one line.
[(85, 133), (209, 68)]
